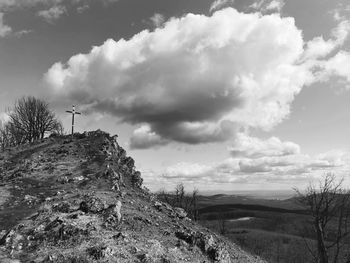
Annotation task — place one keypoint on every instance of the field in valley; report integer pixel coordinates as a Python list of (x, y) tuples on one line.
[(275, 230)]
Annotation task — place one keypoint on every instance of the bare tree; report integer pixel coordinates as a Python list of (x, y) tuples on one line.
[(180, 195), (5, 137), (31, 119), (179, 198), (329, 206), (222, 225)]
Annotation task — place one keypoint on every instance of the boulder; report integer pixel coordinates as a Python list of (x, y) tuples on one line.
[(180, 212), (112, 215), (92, 204)]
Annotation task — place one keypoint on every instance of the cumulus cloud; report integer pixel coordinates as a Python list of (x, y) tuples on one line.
[(5, 30), (197, 75), (251, 147), (157, 20), (198, 79), (53, 13), (218, 4)]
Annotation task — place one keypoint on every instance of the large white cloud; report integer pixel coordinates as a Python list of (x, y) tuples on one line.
[(196, 75), (200, 79)]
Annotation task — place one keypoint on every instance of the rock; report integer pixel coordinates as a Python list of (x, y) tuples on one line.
[(120, 235), (92, 204), (188, 237), (158, 205), (99, 252), (13, 241), (205, 242), (213, 249), (113, 214), (145, 258), (180, 212), (136, 179), (58, 231), (63, 180), (61, 207)]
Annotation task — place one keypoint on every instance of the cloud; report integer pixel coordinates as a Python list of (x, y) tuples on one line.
[(53, 13), (5, 30), (189, 171), (268, 6), (246, 146), (157, 19), (319, 48), (10, 4), (22, 33), (218, 4), (261, 162), (275, 5), (340, 12), (338, 65), (53, 8), (83, 8), (198, 79), (194, 80), (13, 4), (144, 138)]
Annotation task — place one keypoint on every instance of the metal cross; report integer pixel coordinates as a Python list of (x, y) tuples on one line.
[(73, 114)]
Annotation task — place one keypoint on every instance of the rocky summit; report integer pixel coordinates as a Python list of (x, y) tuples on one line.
[(81, 200)]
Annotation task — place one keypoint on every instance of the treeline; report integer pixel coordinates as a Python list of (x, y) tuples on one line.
[(29, 119), (179, 198)]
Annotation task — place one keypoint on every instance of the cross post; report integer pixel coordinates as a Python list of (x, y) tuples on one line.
[(73, 112)]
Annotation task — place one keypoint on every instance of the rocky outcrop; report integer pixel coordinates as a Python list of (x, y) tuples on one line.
[(81, 200)]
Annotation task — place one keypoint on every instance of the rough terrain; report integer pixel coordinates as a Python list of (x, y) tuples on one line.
[(81, 200)]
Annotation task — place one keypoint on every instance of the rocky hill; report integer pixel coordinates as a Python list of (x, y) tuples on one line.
[(81, 200)]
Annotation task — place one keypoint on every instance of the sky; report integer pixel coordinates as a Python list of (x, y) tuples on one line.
[(222, 96)]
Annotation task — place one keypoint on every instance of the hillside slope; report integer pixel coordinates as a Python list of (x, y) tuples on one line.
[(81, 200)]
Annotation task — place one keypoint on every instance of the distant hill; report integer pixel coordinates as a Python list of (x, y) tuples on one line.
[(81, 200), (222, 199)]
